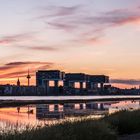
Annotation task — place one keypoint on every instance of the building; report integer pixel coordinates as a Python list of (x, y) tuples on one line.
[(43, 78), (91, 82)]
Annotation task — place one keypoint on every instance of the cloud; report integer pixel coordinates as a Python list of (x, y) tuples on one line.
[(88, 28), (76, 22), (19, 69), (15, 38), (54, 11), (117, 17), (53, 14), (44, 48), (61, 26), (126, 81), (18, 41), (65, 11), (89, 40), (39, 47)]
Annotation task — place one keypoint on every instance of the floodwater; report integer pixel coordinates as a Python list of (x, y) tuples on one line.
[(38, 115)]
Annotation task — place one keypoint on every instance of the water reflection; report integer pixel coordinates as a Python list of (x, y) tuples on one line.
[(46, 114), (49, 111)]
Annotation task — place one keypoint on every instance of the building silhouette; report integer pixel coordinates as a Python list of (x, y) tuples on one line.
[(28, 78), (92, 82), (18, 82)]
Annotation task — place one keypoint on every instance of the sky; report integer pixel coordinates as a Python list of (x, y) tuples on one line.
[(88, 36)]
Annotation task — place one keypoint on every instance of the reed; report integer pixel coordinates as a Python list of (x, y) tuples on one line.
[(107, 128), (83, 129)]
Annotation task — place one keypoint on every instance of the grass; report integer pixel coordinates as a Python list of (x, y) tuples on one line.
[(77, 130), (107, 128), (126, 122)]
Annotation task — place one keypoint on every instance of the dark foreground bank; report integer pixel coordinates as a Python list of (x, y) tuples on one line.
[(109, 128)]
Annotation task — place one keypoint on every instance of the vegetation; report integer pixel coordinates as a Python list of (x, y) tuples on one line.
[(77, 130), (107, 128), (126, 122)]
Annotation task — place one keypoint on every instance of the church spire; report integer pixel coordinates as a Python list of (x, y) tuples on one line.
[(18, 82)]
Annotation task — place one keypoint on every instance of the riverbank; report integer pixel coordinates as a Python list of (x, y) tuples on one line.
[(112, 127)]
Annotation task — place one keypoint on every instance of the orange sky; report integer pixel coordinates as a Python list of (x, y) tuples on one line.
[(61, 35)]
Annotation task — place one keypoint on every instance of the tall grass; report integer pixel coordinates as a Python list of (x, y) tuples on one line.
[(126, 122), (106, 128), (69, 130)]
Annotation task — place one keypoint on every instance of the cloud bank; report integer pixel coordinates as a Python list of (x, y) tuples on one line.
[(126, 81), (20, 69)]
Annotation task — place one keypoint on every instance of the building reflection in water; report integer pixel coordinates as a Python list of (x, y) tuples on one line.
[(49, 111), (46, 114), (60, 111)]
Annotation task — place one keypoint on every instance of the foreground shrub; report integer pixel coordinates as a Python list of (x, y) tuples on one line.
[(126, 122)]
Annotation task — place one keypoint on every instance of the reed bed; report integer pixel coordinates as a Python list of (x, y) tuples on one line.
[(107, 128)]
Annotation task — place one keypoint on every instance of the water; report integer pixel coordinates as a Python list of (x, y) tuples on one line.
[(61, 98), (38, 115)]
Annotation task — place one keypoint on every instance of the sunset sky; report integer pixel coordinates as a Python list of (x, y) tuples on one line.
[(89, 36)]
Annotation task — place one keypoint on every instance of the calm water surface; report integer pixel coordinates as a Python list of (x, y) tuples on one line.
[(46, 114)]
